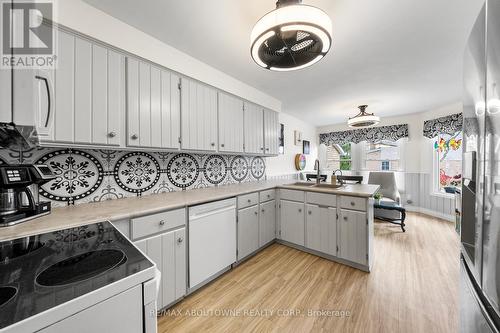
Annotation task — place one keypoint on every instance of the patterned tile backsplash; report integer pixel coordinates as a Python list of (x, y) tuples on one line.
[(85, 175)]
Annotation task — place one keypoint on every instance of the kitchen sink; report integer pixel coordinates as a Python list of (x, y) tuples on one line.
[(80, 267), (328, 185), (302, 184)]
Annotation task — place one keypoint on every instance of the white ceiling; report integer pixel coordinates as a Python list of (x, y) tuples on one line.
[(397, 56)]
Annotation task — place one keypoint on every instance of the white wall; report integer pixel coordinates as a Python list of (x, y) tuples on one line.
[(285, 164), (79, 16)]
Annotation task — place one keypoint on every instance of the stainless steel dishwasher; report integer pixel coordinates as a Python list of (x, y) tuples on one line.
[(212, 240)]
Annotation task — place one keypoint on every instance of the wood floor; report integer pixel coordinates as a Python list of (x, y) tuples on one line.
[(413, 287)]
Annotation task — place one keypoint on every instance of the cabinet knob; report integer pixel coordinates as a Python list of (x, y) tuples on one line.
[(263, 211), (180, 240), (268, 195), (267, 149), (262, 148), (309, 212), (345, 218), (134, 137), (352, 203), (249, 200), (222, 145), (112, 134), (300, 210), (212, 144), (256, 212), (162, 222)]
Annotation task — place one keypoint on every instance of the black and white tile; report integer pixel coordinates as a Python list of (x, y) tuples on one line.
[(97, 175)]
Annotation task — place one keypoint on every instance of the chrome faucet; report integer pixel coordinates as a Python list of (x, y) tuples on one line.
[(316, 167)]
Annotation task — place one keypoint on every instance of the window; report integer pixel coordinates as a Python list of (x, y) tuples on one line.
[(338, 157), (382, 155), (448, 166)]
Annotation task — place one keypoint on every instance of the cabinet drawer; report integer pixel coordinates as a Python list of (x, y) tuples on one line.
[(267, 195), (321, 199), (355, 203), (292, 195), (248, 200), (151, 224)]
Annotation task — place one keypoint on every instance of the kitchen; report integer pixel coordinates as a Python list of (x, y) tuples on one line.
[(140, 181)]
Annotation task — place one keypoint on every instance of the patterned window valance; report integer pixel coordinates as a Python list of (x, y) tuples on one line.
[(443, 125), (371, 134)]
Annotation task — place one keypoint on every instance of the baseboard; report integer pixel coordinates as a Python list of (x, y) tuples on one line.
[(446, 217)]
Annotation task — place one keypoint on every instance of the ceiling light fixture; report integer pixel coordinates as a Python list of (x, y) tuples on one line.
[(363, 119), (291, 37)]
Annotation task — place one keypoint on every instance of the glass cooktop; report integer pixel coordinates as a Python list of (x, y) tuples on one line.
[(41, 272)]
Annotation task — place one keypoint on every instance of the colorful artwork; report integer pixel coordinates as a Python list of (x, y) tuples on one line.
[(443, 146), (300, 162)]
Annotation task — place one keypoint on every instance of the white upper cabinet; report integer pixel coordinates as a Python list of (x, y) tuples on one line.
[(254, 129), (271, 132), (82, 100), (153, 106), (231, 136), (198, 116)]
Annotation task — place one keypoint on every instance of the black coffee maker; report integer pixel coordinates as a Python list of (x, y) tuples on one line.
[(19, 199)]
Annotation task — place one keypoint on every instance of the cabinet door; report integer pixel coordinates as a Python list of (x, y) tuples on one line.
[(5, 96), (292, 222), (321, 229), (168, 252), (198, 116), (271, 132), (353, 238), (89, 92), (174, 266), (170, 110), (254, 129), (267, 222), (248, 231), (230, 123)]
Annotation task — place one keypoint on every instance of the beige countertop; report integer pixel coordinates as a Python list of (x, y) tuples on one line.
[(120, 209)]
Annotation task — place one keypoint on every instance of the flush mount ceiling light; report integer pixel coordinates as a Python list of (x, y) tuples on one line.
[(293, 36), (363, 119)]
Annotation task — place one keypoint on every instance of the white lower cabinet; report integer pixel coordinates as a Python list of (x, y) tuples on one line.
[(248, 231), (353, 240), (267, 222), (321, 229), (168, 252), (292, 222)]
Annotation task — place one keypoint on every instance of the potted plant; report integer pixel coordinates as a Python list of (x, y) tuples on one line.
[(377, 196)]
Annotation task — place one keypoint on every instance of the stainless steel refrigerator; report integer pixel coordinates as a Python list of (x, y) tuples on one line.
[(480, 226)]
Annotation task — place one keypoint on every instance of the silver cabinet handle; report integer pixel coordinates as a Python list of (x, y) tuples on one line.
[(134, 137), (180, 240), (162, 222), (112, 134)]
